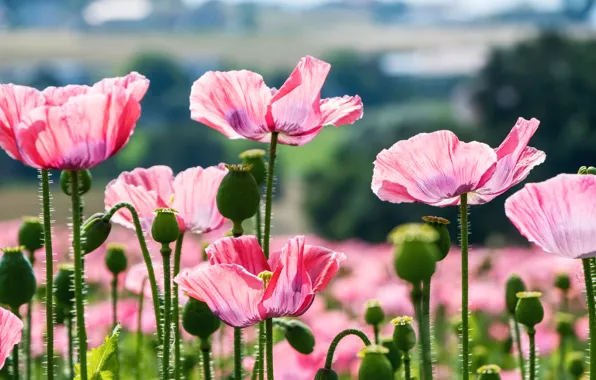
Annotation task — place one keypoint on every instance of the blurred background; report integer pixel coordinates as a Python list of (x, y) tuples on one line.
[(419, 65)]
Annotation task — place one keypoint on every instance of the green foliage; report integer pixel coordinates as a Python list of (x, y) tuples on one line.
[(103, 360)]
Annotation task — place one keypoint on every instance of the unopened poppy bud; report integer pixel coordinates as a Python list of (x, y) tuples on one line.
[(479, 356), (238, 196), (393, 354), (64, 286), (17, 280), (583, 170), (563, 282), (591, 170), (116, 260), (576, 365), (31, 234), (299, 336), (444, 241), (404, 336), (529, 311), (326, 374), (165, 228), (489, 372), (84, 181), (416, 252), (375, 365), (94, 232), (198, 319), (256, 158), (374, 313), (564, 323), (513, 286)]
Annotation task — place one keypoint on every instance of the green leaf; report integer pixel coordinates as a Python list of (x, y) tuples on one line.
[(102, 362)]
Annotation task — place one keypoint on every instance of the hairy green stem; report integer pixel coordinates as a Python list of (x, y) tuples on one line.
[(78, 262), (591, 313), (258, 230), (146, 258), (407, 362), (269, 192), (562, 371), (139, 348), (166, 253), (27, 337), (237, 353), (463, 220), (269, 349), (47, 236), (15, 351), (376, 334), (258, 367), (114, 301), (206, 354), (532, 366), (338, 338), (69, 331), (176, 309), (520, 353), (425, 334)]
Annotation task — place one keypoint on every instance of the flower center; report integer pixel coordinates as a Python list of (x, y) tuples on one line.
[(266, 277)]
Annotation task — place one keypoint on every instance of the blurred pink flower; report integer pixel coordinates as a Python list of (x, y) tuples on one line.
[(557, 214), (436, 168), (11, 329), (240, 105), (232, 288), (79, 126), (192, 193)]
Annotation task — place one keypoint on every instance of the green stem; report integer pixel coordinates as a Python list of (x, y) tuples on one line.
[(15, 351), (591, 314), (269, 192), (426, 343), (47, 236), (269, 344), (520, 354), (166, 253), (237, 353), (27, 337), (139, 359), (562, 371), (338, 338), (258, 225), (376, 334), (176, 308), (206, 353), (68, 321), (78, 261), (146, 258), (417, 303), (114, 301), (407, 361), (257, 371), (463, 220), (532, 369)]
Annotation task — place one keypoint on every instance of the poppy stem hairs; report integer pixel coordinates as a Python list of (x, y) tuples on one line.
[(338, 338), (589, 280), (176, 310), (463, 221), (46, 199)]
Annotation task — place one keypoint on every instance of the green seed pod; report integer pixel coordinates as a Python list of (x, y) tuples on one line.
[(416, 252), (529, 311), (326, 374), (394, 356), (198, 319), (64, 286), (94, 232), (564, 322), (165, 228), (31, 234), (375, 365), (238, 196), (404, 336), (256, 158), (489, 372), (299, 336), (591, 170), (563, 282), (60, 316), (440, 225), (576, 365), (513, 286), (84, 181), (17, 280), (374, 313), (479, 356), (116, 260), (583, 170)]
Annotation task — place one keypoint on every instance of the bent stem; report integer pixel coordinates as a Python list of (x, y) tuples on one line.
[(587, 263), (407, 361), (206, 354), (532, 366), (269, 192), (520, 354), (338, 338), (78, 261), (166, 253), (146, 258), (463, 220), (176, 308), (425, 332), (47, 236), (237, 353), (139, 361)]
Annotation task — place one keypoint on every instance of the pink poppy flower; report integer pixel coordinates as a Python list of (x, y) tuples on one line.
[(11, 328), (557, 214), (191, 193), (436, 168), (81, 126), (236, 293), (241, 106)]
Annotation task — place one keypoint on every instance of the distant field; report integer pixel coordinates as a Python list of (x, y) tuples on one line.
[(281, 46)]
